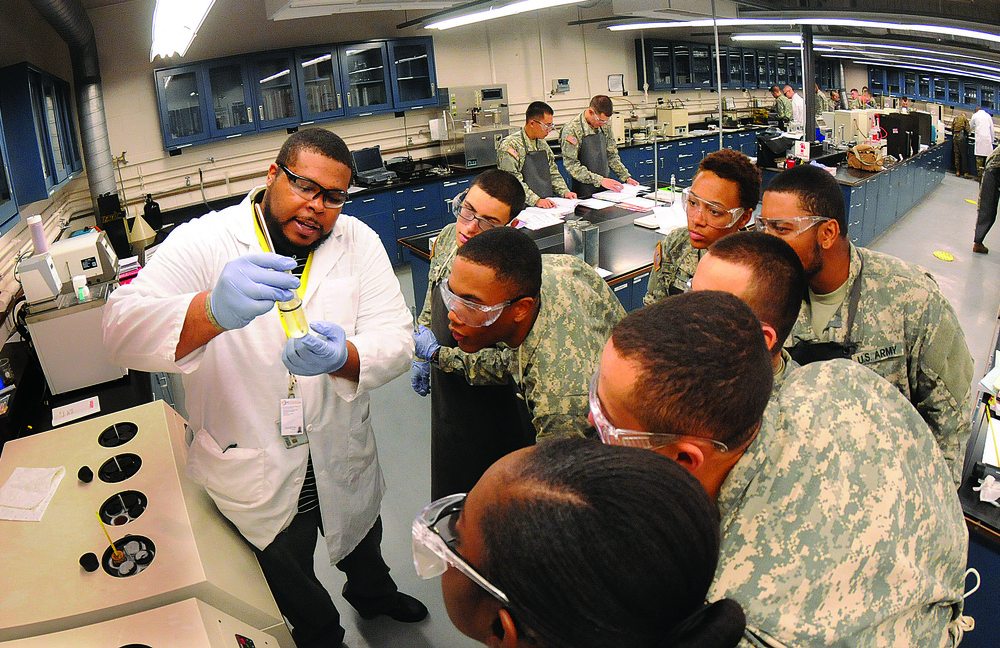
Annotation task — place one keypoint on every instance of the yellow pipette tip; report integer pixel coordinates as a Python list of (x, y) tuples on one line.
[(117, 555)]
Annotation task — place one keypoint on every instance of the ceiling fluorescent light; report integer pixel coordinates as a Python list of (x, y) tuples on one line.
[(786, 38), (828, 22), (498, 12), (175, 24)]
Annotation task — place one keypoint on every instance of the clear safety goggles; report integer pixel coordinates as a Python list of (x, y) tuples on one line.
[(715, 215), (610, 435), (467, 214), (470, 313), (547, 127), (311, 190), (788, 227), (434, 544)]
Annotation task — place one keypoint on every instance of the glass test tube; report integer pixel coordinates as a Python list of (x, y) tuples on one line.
[(291, 312)]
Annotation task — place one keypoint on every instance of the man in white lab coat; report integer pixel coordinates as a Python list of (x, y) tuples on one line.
[(282, 438), (982, 130), (798, 107)]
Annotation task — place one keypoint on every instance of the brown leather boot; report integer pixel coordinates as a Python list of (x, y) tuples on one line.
[(979, 248)]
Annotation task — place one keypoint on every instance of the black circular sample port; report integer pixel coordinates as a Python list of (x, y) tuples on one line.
[(121, 508), (118, 434), (119, 468), (138, 552)]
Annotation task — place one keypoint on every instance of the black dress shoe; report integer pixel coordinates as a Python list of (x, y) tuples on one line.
[(398, 606)]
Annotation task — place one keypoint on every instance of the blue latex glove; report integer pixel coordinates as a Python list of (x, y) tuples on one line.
[(425, 345), (249, 286), (420, 377), (313, 355)]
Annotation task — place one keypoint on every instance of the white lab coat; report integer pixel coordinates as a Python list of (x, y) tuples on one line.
[(798, 110), (233, 384), (982, 127)]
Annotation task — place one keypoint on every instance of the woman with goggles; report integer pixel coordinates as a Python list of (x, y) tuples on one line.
[(719, 202), (572, 543)]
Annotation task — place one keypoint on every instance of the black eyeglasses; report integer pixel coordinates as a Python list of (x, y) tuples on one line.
[(311, 190)]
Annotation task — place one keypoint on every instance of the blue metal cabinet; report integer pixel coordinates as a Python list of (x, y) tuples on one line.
[(623, 291), (640, 284), (412, 72), (41, 136), (366, 78), (375, 210), (229, 95), (451, 188), (320, 91), (640, 162), (275, 89), (417, 210), (854, 197), (182, 98), (689, 154), (8, 200), (749, 68), (666, 158)]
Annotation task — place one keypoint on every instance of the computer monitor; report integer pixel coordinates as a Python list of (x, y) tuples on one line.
[(368, 159), (771, 147)]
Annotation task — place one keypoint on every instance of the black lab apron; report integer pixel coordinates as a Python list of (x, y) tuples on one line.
[(535, 172), (471, 426), (593, 154)]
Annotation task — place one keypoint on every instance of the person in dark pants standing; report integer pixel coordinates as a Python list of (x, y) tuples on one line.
[(959, 144), (989, 196)]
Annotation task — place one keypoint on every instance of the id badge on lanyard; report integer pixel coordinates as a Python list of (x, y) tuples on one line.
[(292, 421)]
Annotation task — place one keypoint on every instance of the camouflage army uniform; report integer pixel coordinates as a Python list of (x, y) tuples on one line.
[(554, 364), (836, 530), (855, 104), (822, 103), (674, 263), (783, 107), (908, 333), (569, 139), (960, 129), (511, 153)]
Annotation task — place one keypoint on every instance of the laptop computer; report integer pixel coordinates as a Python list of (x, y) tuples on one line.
[(371, 171)]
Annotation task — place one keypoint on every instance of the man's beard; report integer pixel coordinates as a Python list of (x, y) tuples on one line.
[(282, 244), (816, 266)]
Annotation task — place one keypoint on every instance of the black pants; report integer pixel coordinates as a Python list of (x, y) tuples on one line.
[(989, 196), (287, 564)]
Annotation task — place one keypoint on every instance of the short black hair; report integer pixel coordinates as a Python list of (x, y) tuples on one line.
[(778, 282), (604, 547), (318, 140), (704, 367), (602, 105), (513, 257), (734, 166), (503, 186), (818, 192), (774, 87), (537, 109)]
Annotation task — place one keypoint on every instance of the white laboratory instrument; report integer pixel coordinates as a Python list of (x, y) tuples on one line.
[(39, 278), (182, 547), (68, 338), (672, 121), (189, 623), (89, 254)]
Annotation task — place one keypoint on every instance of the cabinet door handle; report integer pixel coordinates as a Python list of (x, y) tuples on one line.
[(417, 190), (367, 200), (261, 109), (420, 226), (419, 208), (348, 99), (249, 114), (338, 100)]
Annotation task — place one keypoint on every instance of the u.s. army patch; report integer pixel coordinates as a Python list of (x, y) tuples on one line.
[(572, 140), (869, 356), (657, 256), (513, 152)]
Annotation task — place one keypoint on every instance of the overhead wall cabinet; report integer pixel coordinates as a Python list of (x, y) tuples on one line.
[(224, 98), (961, 92), (8, 203), (37, 110)]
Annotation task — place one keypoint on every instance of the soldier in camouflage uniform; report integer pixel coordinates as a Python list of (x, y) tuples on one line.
[(470, 426), (960, 129), (721, 201), (527, 147), (855, 102), (836, 528), (989, 196), (553, 316), (590, 152), (782, 104), (903, 327), (822, 103)]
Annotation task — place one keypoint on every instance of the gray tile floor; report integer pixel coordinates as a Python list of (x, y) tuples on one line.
[(943, 221)]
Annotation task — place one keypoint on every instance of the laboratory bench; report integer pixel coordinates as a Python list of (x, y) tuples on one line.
[(877, 199), (626, 252), (982, 518)]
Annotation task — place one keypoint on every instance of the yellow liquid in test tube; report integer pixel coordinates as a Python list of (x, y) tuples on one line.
[(294, 317)]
